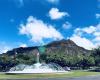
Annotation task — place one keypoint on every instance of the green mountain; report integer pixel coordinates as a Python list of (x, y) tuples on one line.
[(63, 52), (64, 46)]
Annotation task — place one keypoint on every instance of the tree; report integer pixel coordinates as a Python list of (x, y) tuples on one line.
[(96, 55), (25, 59)]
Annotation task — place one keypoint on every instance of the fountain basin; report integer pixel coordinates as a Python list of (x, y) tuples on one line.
[(36, 69), (32, 72)]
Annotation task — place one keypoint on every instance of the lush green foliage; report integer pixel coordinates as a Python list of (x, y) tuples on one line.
[(79, 61), (96, 55), (62, 59)]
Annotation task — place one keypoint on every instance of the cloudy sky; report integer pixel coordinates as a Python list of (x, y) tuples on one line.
[(37, 22)]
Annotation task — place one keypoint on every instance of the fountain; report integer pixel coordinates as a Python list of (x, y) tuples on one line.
[(36, 68)]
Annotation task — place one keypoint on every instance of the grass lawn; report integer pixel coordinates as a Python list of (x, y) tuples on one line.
[(76, 73)]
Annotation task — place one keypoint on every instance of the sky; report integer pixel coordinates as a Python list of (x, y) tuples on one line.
[(25, 23)]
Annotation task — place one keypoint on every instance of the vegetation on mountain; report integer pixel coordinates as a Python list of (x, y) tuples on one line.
[(64, 53)]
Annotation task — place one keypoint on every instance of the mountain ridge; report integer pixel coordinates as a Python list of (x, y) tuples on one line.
[(68, 47)]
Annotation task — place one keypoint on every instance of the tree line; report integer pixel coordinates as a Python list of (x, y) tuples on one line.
[(79, 61)]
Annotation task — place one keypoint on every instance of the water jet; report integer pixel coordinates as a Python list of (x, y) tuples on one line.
[(36, 68)]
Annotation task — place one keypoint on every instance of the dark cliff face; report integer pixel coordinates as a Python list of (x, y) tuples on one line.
[(62, 46), (67, 47), (23, 50)]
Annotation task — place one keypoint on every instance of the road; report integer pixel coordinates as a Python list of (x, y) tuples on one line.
[(96, 77)]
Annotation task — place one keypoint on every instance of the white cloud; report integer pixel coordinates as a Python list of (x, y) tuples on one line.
[(83, 42), (97, 44), (78, 31), (38, 30), (23, 45), (89, 30), (4, 48), (97, 39), (53, 1), (54, 13), (98, 27), (93, 30), (98, 16), (97, 33), (67, 25)]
